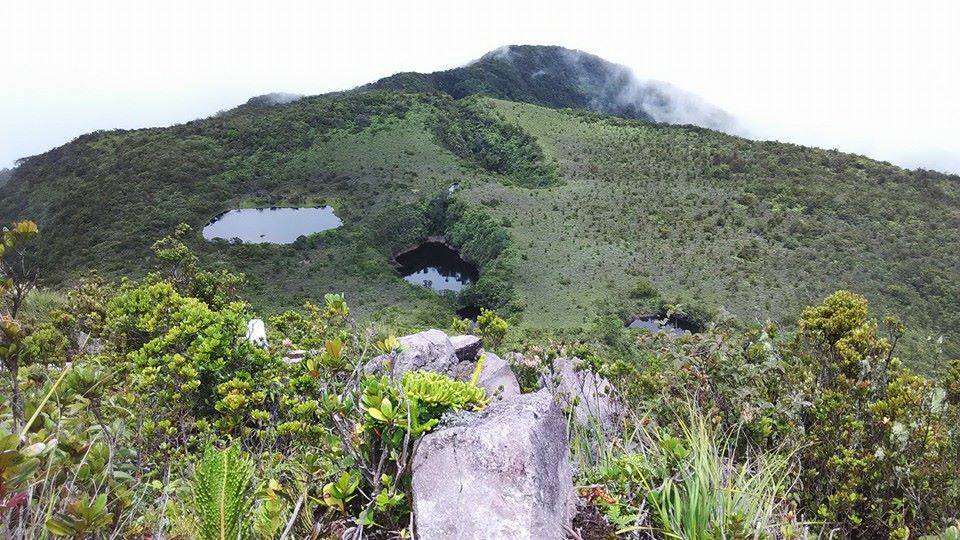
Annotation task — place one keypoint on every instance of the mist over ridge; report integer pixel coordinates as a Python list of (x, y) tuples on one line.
[(558, 77)]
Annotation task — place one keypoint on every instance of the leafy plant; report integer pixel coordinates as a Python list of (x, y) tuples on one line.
[(18, 465), (696, 487), (339, 493), (17, 280), (439, 392), (81, 518), (460, 326), (491, 327), (221, 493)]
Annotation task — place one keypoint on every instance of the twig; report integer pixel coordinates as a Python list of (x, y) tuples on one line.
[(293, 518), (163, 504), (573, 534)]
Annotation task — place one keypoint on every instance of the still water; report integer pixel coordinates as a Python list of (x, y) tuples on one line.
[(271, 225), (655, 324), (437, 266)]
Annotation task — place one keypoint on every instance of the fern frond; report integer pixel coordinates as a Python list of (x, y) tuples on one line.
[(221, 491)]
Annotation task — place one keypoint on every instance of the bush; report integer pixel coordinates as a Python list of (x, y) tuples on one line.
[(472, 131), (491, 328), (877, 459)]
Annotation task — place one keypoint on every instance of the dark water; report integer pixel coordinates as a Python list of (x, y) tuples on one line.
[(469, 312), (271, 225), (435, 265), (654, 323)]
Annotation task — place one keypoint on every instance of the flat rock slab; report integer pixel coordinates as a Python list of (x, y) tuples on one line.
[(500, 473), (467, 347)]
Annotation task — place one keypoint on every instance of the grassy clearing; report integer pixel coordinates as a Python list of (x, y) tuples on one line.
[(717, 221)]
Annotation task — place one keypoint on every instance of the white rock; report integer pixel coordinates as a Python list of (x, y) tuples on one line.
[(257, 332), (500, 473)]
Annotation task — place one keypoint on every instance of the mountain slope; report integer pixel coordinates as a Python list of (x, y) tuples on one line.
[(564, 78), (570, 215)]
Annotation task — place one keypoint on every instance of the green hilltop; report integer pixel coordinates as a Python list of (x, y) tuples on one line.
[(573, 217)]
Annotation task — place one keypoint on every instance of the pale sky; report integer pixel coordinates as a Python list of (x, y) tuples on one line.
[(873, 77)]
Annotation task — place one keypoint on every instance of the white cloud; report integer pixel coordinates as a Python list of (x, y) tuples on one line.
[(878, 77)]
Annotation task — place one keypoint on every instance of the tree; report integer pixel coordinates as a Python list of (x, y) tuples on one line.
[(17, 279), (877, 461), (177, 263)]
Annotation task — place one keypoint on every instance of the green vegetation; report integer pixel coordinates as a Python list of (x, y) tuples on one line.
[(129, 445), (548, 76), (134, 406), (719, 224), (698, 488), (761, 434), (566, 213), (220, 491), (473, 131), (175, 424)]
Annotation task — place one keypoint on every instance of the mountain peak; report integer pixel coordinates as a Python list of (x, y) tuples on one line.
[(558, 77)]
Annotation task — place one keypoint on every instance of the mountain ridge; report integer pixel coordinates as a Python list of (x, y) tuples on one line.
[(586, 213), (558, 77)]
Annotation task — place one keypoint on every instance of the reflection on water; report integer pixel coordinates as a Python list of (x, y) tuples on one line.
[(437, 266), (653, 323), (271, 225)]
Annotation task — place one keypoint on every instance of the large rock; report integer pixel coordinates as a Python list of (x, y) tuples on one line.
[(454, 357), (496, 375), (589, 396), (467, 347), (500, 473), (430, 351)]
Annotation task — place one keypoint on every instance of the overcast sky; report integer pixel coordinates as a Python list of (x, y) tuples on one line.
[(873, 77)]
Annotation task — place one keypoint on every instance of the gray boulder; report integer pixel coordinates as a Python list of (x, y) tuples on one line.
[(590, 397), (434, 351), (467, 347), (496, 375), (500, 473), (430, 351)]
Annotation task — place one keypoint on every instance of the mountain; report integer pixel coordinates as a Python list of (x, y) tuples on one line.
[(557, 77), (5, 175), (273, 98), (574, 218)]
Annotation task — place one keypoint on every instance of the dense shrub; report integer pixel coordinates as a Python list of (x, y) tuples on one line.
[(873, 445), (473, 131)]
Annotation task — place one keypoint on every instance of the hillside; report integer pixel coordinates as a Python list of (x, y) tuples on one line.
[(570, 215), (560, 78)]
